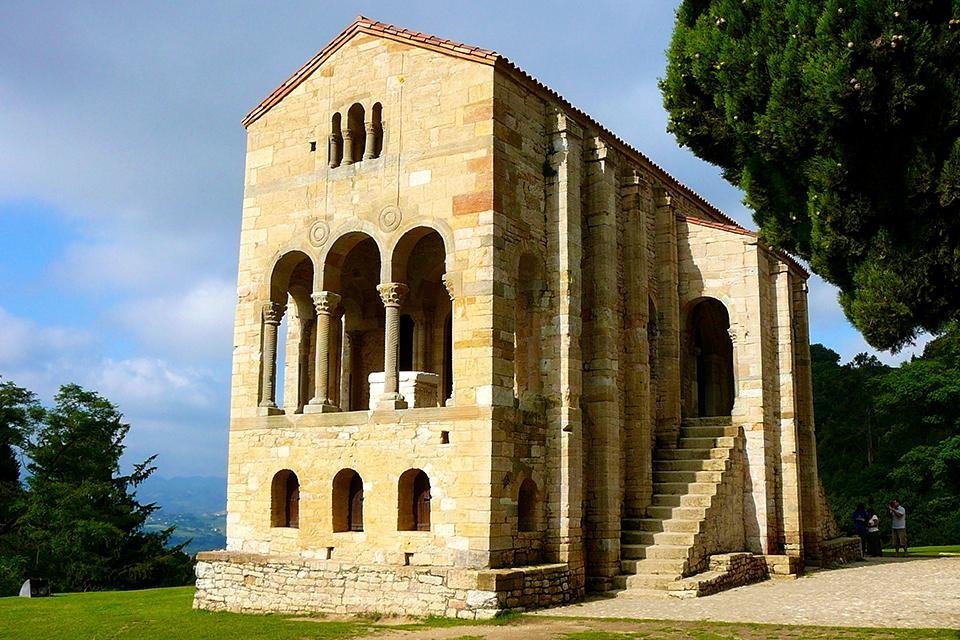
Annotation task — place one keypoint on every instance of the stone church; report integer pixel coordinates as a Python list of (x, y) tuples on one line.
[(489, 356)]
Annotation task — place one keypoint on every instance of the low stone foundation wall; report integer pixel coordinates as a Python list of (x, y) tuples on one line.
[(840, 551), (727, 570), (246, 582)]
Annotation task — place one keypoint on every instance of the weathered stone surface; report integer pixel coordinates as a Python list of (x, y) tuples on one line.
[(520, 359)]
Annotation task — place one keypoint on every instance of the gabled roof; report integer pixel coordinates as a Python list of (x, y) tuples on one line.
[(483, 56)]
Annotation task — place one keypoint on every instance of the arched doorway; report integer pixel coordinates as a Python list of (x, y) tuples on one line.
[(708, 372)]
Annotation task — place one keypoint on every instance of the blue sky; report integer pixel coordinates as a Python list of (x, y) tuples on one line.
[(121, 175)]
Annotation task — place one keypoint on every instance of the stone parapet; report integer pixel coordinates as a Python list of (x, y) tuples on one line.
[(260, 583), (840, 551)]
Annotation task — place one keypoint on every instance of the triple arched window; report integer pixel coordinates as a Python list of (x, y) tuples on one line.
[(357, 137)]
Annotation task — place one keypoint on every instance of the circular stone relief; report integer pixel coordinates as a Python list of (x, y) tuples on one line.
[(319, 233), (390, 217)]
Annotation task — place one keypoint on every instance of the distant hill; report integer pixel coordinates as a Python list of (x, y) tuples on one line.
[(195, 505)]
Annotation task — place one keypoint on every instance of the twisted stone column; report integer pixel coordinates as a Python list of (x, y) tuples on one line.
[(348, 147), (325, 302), (370, 146), (272, 313), (392, 294)]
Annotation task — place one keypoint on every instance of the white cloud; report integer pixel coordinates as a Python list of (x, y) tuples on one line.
[(195, 324)]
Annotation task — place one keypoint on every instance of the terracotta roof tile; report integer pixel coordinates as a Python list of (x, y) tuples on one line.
[(483, 56)]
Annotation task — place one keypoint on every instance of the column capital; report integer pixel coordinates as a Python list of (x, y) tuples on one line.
[(449, 284), (273, 312), (325, 302), (392, 293)]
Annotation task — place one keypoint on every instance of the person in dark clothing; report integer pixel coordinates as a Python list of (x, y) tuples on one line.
[(860, 525)]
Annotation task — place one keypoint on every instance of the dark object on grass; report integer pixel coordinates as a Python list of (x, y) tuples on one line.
[(35, 588)]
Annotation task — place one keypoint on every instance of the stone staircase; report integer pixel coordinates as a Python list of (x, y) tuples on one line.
[(659, 549)]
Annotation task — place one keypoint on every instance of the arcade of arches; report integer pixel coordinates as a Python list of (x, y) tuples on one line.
[(357, 343)]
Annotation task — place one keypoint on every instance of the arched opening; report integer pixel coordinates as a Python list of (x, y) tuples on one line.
[(285, 500), (413, 506), (406, 342), (347, 501), (354, 139), (419, 261), (352, 270), (526, 352), (335, 142), (376, 117), (287, 335), (527, 506), (708, 374)]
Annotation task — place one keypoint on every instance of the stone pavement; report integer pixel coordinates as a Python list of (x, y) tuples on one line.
[(888, 592)]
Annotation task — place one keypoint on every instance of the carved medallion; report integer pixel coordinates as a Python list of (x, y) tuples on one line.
[(319, 233), (390, 217)]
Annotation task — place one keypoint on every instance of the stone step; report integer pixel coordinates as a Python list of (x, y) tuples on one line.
[(678, 512), (634, 536), (667, 552), (687, 476), (635, 524), (693, 453), (692, 464), (633, 551), (679, 500), (643, 584), (707, 443), (671, 567), (709, 432), (717, 421), (684, 488)]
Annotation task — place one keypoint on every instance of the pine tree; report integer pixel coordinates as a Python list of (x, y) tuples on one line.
[(840, 120)]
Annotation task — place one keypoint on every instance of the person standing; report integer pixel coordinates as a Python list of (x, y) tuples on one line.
[(860, 526), (874, 548), (899, 517)]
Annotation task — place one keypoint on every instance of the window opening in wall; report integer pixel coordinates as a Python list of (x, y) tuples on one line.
[(444, 437), (285, 500), (347, 501), (354, 138), (406, 342), (335, 142), (413, 501), (313, 146), (376, 118), (527, 506)]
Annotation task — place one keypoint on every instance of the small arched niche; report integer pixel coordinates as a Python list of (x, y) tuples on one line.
[(285, 500), (708, 371), (528, 502), (413, 501), (347, 501)]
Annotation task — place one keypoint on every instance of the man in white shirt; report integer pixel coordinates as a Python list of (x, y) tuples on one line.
[(898, 516)]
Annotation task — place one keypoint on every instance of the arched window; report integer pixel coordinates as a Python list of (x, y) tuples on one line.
[(527, 506), (709, 353), (285, 500), (406, 342), (354, 138), (413, 508), (335, 143), (347, 501)]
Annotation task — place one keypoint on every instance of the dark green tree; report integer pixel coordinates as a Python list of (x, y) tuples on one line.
[(19, 413), (840, 120), (83, 526)]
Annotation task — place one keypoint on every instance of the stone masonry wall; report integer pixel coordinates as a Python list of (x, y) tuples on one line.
[(289, 584)]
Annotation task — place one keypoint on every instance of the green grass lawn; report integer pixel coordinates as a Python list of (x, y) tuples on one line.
[(166, 614), (946, 550)]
